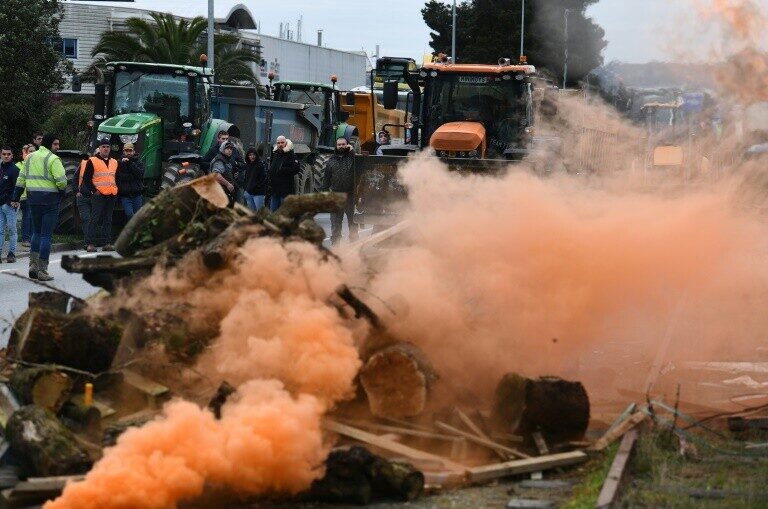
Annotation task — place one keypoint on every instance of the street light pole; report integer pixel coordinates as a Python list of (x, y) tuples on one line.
[(565, 59), (453, 34), (210, 34), (522, 30)]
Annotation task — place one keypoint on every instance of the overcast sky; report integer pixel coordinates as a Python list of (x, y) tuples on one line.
[(637, 30)]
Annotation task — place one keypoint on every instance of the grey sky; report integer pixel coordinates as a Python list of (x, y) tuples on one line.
[(637, 30)]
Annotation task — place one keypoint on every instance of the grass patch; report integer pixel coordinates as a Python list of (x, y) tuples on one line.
[(585, 494)]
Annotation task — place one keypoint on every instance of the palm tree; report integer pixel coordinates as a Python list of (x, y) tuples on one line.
[(169, 40)]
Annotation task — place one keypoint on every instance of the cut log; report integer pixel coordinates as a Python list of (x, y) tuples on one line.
[(106, 271), (43, 446), (114, 430), (56, 301), (559, 409), (296, 205), (357, 476), (223, 249), (170, 212), (78, 341), (224, 391), (81, 417), (45, 387), (397, 380)]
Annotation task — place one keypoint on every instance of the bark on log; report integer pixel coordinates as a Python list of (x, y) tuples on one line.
[(106, 271), (296, 205), (43, 446), (194, 235), (357, 476), (169, 213), (223, 249), (114, 430), (45, 387), (397, 380), (559, 409), (78, 341), (81, 418)]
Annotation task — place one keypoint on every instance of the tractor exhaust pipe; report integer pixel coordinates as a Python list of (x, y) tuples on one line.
[(99, 101)]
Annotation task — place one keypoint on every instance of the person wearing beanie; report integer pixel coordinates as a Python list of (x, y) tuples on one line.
[(99, 181), (130, 181), (45, 180)]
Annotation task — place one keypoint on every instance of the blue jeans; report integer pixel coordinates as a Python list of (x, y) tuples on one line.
[(254, 201), (8, 218), (44, 218), (275, 201), (26, 222), (131, 204)]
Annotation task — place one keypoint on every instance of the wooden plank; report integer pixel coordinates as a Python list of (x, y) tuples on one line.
[(399, 430), (541, 444), (619, 431), (631, 409), (57, 479), (610, 491), (8, 404), (152, 389), (390, 445), (474, 428), (480, 441), (377, 238), (526, 466)]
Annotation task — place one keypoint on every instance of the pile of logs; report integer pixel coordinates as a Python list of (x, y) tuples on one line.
[(63, 354)]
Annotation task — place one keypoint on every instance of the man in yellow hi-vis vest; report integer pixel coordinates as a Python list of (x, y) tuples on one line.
[(99, 182), (45, 180)]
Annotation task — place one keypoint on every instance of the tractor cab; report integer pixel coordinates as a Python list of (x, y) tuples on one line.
[(327, 97), (666, 131)]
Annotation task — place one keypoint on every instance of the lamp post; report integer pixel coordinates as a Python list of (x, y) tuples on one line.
[(453, 34), (565, 55), (522, 30), (210, 35)]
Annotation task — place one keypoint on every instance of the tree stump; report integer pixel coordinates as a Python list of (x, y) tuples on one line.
[(45, 387), (397, 380), (559, 409), (78, 341), (43, 446), (56, 301)]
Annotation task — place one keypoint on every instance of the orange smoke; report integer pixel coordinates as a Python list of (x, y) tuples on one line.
[(291, 357), (530, 275)]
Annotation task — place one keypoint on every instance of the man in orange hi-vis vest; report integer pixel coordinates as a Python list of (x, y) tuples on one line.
[(99, 182)]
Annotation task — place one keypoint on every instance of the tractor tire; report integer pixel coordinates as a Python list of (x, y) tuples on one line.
[(304, 181), (318, 171), (69, 219), (173, 174)]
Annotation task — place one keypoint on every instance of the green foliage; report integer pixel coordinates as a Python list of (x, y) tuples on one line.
[(167, 40), (30, 66), (585, 495), (490, 29), (68, 121)]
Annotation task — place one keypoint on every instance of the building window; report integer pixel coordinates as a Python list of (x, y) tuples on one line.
[(69, 47)]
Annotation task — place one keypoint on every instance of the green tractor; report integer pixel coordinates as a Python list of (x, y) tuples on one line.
[(326, 104), (164, 110)]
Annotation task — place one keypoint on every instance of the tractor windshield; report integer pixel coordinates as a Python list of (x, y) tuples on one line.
[(166, 95), (303, 96), (503, 107)]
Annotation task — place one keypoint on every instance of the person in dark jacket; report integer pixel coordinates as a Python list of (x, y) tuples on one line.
[(9, 172), (223, 167), (130, 181), (255, 171), (340, 177), (282, 172)]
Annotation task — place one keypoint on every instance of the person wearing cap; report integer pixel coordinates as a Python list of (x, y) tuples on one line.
[(130, 181), (99, 181), (45, 181)]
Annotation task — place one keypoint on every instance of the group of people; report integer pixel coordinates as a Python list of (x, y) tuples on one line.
[(259, 181), (101, 181)]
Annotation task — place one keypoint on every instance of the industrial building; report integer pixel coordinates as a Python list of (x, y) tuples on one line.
[(289, 59)]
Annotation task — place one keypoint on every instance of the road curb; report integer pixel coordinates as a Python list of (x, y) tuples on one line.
[(55, 248)]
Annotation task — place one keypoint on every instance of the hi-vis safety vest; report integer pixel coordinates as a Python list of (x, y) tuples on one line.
[(43, 173), (104, 176)]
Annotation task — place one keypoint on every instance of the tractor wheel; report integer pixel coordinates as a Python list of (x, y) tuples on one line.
[(69, 220), (304, 183), (318, 171), (174, 174)]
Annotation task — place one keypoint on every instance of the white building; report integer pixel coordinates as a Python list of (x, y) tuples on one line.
[(290, 60)]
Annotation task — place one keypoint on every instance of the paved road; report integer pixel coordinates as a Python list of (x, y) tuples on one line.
[(14, 291)]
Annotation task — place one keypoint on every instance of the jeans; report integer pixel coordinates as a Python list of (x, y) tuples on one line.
[(84, 210), (254, 201), (44, 218), (8, 218), (131, 204), (100, 228), (26, 222), (337, 219), (275, 202)]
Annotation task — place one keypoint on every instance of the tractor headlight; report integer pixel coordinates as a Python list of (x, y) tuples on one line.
[(129, 138)]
